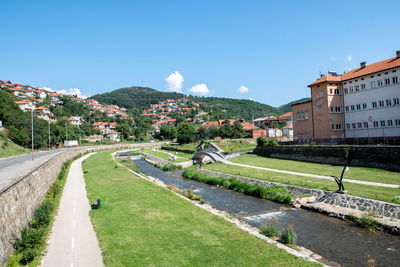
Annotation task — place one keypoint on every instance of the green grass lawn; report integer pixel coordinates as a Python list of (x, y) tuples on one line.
[(356, 173), (8, 148), (141, 224), (163, 155), (373, 192), (226, 145)]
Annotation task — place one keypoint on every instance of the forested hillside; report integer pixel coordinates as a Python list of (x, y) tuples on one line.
[(288, 107), (135, 97), (142, 97)]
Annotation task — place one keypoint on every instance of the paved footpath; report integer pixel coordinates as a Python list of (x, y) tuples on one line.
[(313, 175), (73, 242)]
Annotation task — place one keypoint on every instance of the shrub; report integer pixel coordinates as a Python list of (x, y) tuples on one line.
[(171, 167), (367, 221), (261, 141), (289, 236), (31, 238), (55, 189), (42, 215), (13, 260), (272, 142), (269, 230), (28, 255)]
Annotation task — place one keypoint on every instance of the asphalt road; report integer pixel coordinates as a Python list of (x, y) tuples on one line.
[(4, 163)]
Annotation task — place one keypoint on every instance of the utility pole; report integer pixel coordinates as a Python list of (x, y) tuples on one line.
[(79, 131), (49, 133), (66, 131), (32, 107)]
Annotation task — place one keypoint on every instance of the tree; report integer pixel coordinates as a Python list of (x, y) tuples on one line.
[(185, 132), (213, 132), (237, 131), (202, 133), (167, 131), (124, 129)]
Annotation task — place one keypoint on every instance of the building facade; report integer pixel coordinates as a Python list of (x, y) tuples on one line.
[(362, 104)]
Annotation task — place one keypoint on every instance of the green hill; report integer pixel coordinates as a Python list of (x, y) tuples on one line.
[(8, 148), (288, 107), (135, 97), (142, 97)]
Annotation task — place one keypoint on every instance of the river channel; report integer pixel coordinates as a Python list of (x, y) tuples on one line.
[(338, 241)]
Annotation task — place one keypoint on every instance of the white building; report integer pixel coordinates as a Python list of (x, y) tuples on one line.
[(75, 120), (371, 100)]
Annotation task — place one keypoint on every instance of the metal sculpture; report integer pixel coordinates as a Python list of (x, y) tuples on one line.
[(339, 182)]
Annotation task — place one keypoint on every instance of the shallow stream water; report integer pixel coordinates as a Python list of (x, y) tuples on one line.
[(338, 241)]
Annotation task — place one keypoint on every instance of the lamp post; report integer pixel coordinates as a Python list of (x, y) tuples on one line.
[(49, 133), (32, 107)]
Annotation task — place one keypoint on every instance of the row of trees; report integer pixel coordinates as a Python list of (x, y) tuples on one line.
[(186, 132)]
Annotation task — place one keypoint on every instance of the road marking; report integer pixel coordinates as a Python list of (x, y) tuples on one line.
[(73, 224), (72, 265), (74, 211), (73, 242)]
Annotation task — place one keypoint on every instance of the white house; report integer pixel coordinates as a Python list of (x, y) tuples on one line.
[(274, 132), (25, 105), (288, 130), (112, 135), (75, 120), (43, 112)]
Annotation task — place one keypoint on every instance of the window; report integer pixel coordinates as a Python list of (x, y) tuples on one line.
[(348, 125), (352, 107), (333, 126), (382, 123), (373, 84), (298, 116), (338, 109), (397, 122), (338, 126), (375, 124), (302, 115), (380, 83), (337, 92), (364, 105), (365, 124), (331, 109), (394, 80), (347, 108), (396, 101), (359, 125), (388, 102), (381, 103), (330, 91), (389, 123), (387, 81), (358, 106), (374, 105), (353, 125), (306, 115), (363, 86), (346, 91), (357, 87), (351, 89)]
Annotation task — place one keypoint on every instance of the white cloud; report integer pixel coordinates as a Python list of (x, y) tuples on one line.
[(200, 89), (72, 91), (349, 57), (47, 89), (251, 99), (332, 58), (243, 89), (174, 82)]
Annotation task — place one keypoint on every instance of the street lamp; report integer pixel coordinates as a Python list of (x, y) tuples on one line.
[(32, 108)]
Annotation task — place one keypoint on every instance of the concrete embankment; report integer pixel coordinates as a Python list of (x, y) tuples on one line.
[(23, 194)]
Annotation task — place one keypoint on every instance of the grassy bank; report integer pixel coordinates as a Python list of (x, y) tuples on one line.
[(165, 156), (355, 173), (227, 145), (373, 192), (141, 224), (8, 148)]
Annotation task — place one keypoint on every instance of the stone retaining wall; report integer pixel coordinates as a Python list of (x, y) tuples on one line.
[(385, 157), (346, 201), (171, 148), (24, 194)]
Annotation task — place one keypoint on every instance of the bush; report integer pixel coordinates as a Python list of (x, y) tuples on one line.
[(31, 238), (272, 142), (274, 192), (367, 221), (42, 215), (261, 141), (289, 236), (171, 167), (269, 230), (14, 259), (28, 255)]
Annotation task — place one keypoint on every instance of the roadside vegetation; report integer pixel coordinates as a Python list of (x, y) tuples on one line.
[(8, 148), (373, 192), (141, 224), (355, 173)]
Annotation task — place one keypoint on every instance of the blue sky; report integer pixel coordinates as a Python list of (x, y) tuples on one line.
[(273, 48)]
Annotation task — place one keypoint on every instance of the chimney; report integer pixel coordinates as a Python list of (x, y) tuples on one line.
[(363, 64), (398, 54)]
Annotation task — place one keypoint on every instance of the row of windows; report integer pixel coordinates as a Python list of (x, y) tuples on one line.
[(336, 126), (377, 84), (374, 104), (334, 91), (336, 109), (303, 115), (376, 124)]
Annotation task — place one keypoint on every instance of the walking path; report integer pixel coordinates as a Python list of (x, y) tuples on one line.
[(73, 242), (312, 175)]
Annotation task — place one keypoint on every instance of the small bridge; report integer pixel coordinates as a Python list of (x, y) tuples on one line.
[(213, 155)]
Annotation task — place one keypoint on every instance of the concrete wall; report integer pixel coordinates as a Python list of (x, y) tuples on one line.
[(20, 198), (385, 157), (346, 201)]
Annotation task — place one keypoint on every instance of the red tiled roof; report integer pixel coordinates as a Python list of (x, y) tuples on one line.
[(248, 126), (290, 126), (99, 123), (111, 132), (326, 78), (286, 115), (41, 108)]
